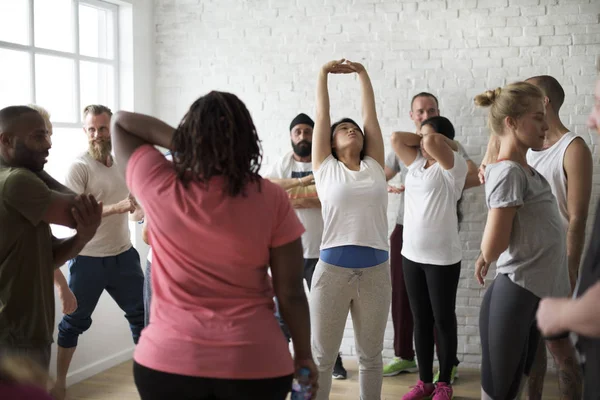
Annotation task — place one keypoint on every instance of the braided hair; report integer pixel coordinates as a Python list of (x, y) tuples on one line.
[(217, 137)]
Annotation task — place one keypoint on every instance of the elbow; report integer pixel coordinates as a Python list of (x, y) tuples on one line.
[(431, 142)]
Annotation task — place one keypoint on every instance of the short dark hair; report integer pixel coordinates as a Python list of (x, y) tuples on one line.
[(424, 94), (441, 125), (551, 88), (9, 114), (96, 109)]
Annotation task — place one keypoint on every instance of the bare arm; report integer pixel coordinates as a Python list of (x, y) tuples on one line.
[(578, 168), (406, 146), (306, 202), (132, 130), (374, 147), (439, 147), (87, 214), (496, 235), (145, 231), (287, 268), (321, 140), (293, 182), (389, 173), (59, 210), (472, 176), (581, 315), (491, 153)]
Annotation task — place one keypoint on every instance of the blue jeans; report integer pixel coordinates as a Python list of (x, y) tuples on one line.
[(120, 275)]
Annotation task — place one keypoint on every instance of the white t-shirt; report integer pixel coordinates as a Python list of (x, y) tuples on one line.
[(430, 222), (86, 175), (286, 168), (353, 204)]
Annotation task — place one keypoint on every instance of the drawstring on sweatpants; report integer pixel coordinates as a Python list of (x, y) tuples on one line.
[(355, 277)]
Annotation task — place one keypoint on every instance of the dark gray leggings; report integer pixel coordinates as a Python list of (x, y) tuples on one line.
[(509, 337)]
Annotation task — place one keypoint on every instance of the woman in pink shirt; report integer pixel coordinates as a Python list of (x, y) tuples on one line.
[(216, 228)]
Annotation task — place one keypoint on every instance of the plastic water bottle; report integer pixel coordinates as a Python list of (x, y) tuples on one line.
[(301, 385)]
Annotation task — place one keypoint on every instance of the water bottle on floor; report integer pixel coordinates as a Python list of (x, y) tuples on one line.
[(301, 385)]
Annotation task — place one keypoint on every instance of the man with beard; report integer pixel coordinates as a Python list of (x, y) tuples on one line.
[(29, 253), (108, 261), (293, 172)]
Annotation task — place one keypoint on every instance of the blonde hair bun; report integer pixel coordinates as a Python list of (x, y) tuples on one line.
[(488, 97)]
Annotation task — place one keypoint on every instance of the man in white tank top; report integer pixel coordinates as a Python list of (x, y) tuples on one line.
[(109, 261), (565, 162)]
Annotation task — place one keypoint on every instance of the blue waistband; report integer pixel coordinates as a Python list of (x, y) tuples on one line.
[(354, 256)]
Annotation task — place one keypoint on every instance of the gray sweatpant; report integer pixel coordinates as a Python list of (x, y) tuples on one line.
[(366, 293)]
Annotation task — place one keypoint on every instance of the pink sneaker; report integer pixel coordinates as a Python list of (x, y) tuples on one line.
[(443, 391), (421, 391)]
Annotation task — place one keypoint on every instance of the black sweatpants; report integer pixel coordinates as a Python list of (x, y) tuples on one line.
[(432, 295), (156, 385), (509, 337)]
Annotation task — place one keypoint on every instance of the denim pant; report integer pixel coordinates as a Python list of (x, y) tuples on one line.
[(120, 275)]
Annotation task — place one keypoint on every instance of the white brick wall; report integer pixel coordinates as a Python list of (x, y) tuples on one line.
[(268, 52)]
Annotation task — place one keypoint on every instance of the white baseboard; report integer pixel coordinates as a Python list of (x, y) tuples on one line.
[(99, 366)]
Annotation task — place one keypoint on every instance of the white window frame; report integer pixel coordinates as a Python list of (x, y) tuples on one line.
[(76, 56)]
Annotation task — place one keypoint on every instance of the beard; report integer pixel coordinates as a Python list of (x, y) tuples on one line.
[(100, 149), (302, 148)]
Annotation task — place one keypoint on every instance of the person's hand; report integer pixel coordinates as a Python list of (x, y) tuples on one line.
[(87, 213), (126, 206), (481, 269), (395, 190), (68, 300), (314, 374), (337, 67), (550, 315), (481, 174), (356, 67), (307, 180)]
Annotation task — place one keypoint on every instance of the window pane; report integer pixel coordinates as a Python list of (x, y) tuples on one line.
[(96, 31), (97, 84), (67, 144), (54, 24), (55, 86), (14, 21), (15, 78)]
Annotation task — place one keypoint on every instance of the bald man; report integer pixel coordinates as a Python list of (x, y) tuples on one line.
[(28, 251)]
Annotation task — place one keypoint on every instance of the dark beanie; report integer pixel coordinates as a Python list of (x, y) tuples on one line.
[(302, 119)]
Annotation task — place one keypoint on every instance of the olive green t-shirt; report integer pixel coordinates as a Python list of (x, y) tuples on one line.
[(26, 261)]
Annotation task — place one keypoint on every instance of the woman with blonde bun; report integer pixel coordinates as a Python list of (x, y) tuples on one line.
[(523, 235)]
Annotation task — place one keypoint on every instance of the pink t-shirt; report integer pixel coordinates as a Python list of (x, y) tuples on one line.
[(212, 299)]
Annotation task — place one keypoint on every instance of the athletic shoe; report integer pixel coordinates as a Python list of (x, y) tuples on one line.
[(339, 372), (398, 365), (443, 391), (453, 375), (421, 391)]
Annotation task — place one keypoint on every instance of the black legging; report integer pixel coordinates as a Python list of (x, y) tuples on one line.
[(156, 385), (509, 337), (432, 295)]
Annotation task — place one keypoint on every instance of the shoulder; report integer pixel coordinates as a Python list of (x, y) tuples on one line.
[(504, 173), (18, 175)]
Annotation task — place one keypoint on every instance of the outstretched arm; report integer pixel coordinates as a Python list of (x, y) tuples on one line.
[(321, 141), (373, 139)]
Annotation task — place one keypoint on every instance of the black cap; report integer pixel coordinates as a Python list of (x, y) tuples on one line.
[(302, 119)]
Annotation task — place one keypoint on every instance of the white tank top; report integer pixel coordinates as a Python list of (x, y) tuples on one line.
[(550, 163)]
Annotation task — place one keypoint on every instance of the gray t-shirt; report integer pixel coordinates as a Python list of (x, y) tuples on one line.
[(392, 161), (536, 258)]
